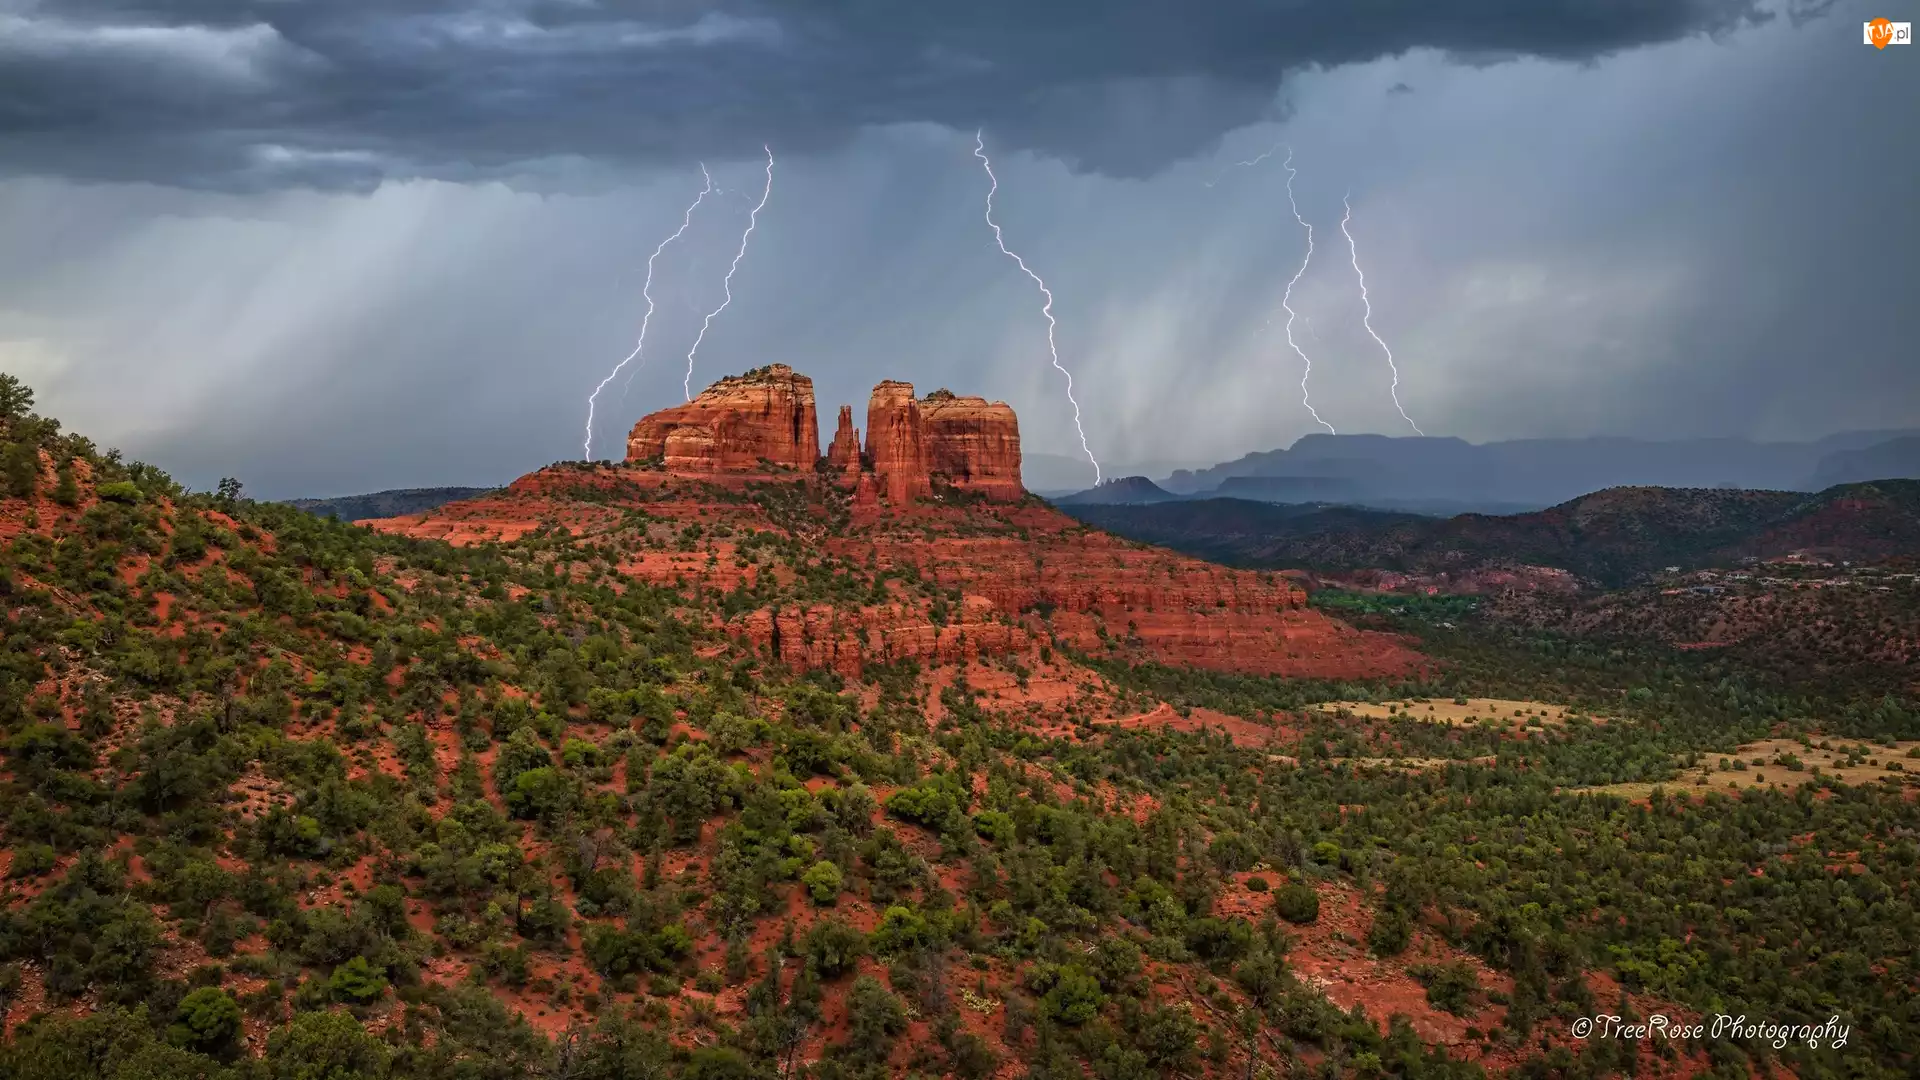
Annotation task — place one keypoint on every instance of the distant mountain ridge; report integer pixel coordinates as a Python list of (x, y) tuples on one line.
[(382, 504), (1379, 470), (1895, 457), (1612, 537), (1123, 490)]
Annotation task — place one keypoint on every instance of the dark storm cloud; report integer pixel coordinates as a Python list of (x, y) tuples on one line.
[(267, 94)]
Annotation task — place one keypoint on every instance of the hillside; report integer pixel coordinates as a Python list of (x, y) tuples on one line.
[(739, 771), (1611, 537), (381, 504)]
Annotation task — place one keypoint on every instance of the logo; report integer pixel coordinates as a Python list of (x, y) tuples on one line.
[(1881, 33)]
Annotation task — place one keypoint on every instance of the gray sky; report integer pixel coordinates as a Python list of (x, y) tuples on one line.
[(338, 247)]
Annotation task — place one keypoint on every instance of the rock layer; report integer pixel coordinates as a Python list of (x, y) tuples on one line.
[(896, 442), (975, 443), (994, 579), (765, 417)]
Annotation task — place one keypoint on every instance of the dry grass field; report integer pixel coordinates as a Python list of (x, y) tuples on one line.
[(1460, 712), (1784, 764)]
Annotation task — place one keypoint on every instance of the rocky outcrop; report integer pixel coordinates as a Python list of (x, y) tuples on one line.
[(843, 454), (975, 443), (970, 441), (896, 443), (822, 636), (765, 417)]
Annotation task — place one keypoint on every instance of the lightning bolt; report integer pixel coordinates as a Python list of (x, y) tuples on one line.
[(1250, 162), (753, 218), (685, 302), (646, 290), (1366, 318), (1287, 296), (980, 151)]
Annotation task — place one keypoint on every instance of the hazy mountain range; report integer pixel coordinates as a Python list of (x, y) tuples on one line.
[(1446, 475), (1612, 537)]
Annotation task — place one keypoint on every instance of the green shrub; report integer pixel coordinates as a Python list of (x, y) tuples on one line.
[(832, 948), (823, 881), (357, 981), (208, 1020), (1297, 903)]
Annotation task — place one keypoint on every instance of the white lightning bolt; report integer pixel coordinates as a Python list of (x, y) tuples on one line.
[(1287, 296), (646, 290), (980, 151), (1366, 318), (1253, 161), (753, 218), (685, 302)]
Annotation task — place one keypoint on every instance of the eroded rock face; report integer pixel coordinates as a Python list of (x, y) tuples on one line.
[(843, 455), (975, 443), (765, 417), (896, 443), (1013, 578)]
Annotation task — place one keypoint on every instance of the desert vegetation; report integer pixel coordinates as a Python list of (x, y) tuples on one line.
[(285, 797)]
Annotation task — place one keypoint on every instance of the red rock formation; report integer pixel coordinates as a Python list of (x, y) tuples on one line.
[(975, 443), (1025, 574), (843, 456), (822, 636), (972, 442), (896, 442), (741, 423)]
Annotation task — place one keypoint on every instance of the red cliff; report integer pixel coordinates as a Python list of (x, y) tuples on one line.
[(974, 443), (896, 442), (741, 423), (843, 456)]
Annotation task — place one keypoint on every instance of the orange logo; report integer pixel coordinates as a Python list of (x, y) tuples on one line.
[(1880, 33)]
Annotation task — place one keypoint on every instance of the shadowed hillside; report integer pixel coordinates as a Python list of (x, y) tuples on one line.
[(1611, 537), (380, 504)]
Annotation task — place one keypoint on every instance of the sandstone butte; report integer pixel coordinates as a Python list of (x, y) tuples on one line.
[(765, 418), (1013, 574), (750, 421)]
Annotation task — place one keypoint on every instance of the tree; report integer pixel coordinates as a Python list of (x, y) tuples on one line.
[(208, 1021), (823, 881), (1074, 998), (875, 1017), (20, 468), (229, 492), (326, 1046), (833, 947), (357, 981), (16, 397), (66, 490), (1392, 931), (1297, 903)]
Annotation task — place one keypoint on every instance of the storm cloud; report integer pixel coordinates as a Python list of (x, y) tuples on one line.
[(253, 94), (338, 247)]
